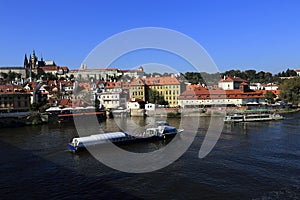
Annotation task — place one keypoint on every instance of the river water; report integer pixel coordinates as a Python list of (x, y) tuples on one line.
[(249, 161)]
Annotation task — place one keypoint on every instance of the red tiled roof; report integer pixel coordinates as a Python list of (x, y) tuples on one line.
[(161, 80), (87, 86), (110, 85), (71, 103), (276, 92), (155, 81), (218, 93), (50, 68), (135, 100), (137, 81), (65, 68), (231, 79), (12, 89)]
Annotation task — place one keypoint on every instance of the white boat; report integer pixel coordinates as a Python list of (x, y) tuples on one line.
[(252, 116), (162, 131)]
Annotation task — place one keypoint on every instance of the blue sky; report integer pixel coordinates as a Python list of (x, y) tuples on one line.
[(241, 34)]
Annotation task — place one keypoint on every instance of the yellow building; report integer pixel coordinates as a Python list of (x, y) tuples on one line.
[(167, 87), (138, 89)]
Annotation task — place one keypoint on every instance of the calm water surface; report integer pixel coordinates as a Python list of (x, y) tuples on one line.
[(250, 161)]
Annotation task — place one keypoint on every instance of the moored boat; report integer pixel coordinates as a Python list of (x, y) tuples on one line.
[(160, 132), (252, 116)]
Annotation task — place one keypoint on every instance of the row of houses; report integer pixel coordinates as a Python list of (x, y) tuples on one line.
[(230, 91)]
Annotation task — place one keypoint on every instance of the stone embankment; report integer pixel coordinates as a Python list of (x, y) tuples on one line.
[(18, 119)]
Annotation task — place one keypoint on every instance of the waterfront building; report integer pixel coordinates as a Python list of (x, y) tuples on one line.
[(200, 96), (135, 104), (14, 98), (112, 96), (168, 88), (138, 89), (150, 106)]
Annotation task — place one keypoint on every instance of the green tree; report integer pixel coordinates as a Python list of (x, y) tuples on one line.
[(270, 97), (250, 74), (97, 103), (290, 90), (49, 76), (154, 97), (194, 77), (4, 75)]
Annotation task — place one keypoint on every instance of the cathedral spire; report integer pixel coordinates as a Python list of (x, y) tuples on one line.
[(33, 60), (25, 62)]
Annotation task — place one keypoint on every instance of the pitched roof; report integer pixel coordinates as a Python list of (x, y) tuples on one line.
[(166, 80), (72, 103), (218, 93), (232, 79), (111, 85), (277, 92), (12, 89), (137, 81)]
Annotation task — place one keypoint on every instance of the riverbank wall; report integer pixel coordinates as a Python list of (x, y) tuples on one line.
[(21, 119)]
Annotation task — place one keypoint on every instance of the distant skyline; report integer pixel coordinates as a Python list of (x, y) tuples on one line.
[(261, 35)]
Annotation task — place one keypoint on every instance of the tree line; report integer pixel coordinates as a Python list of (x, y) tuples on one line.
[(248, 75)]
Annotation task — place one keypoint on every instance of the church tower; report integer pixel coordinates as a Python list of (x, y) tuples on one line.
[(25, 62), (33, 60)]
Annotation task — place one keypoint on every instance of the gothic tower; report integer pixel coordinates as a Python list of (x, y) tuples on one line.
[(25, 62), (33, 60)]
